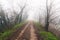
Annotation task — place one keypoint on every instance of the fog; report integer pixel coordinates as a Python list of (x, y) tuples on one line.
[(35, 7), (45, 12)]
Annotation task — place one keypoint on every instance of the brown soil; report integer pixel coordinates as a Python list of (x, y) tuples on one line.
[(26, 32)]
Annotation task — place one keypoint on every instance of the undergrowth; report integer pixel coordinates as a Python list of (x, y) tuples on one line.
[(7, 33), (44, 34)]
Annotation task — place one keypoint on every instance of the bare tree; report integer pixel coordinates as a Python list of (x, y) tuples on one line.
[(3, 21), (48, 9), (49, 13), (21, 13), (25, 16)]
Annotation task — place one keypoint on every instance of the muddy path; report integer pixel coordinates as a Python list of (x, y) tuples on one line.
[(22, 35), (27, 32), (16, 33)]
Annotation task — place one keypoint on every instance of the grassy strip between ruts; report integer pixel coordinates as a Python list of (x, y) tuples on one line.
[(45, 35), (7, 33)]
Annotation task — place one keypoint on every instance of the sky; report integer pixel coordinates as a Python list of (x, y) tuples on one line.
[(34, 6)]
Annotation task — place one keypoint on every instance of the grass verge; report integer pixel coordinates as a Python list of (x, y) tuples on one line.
[(7, 33), (44, 34)]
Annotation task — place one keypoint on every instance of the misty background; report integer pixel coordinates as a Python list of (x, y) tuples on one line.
[(36, 9)]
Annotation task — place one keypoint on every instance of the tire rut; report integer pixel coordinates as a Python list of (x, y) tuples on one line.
[(22, 32), (33, 34), (26, 34)]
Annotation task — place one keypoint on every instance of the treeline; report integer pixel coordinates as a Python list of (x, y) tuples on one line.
[(7, 22), (51, 13)]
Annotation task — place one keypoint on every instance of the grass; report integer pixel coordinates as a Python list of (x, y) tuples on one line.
[(48, 35), (7, 33), (44, 34), (39, 26)]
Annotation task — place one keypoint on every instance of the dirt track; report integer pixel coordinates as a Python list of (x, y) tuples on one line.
[(27, 32)]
